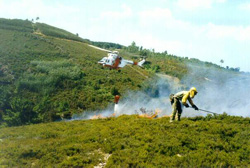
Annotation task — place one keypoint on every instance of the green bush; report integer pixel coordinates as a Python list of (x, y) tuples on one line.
[(49, 75), (21, 112)]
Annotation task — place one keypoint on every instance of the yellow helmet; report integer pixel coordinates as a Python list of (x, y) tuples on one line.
[(193, 92)]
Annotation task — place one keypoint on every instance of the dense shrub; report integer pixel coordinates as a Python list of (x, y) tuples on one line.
[(48, 75)]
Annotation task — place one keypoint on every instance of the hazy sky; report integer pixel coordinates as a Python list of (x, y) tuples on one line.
[(209, 30)]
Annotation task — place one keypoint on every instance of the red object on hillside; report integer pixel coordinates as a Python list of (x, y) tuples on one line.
[(117, 97)]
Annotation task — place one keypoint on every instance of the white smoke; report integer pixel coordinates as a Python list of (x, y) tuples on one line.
[(219, 91), (86, 115), (161, 87), (138, 102)]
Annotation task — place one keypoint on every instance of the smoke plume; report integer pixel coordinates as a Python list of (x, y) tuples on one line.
[(219, 91)]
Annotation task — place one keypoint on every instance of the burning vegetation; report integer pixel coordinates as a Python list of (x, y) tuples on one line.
[(142, 112)]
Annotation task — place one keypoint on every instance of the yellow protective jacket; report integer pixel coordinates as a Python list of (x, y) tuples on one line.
[(183, 96)]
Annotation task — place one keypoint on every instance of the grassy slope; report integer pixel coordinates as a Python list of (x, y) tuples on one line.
[(220, 141), (29, 62), (103, 79), (56, 32), (44, 77)]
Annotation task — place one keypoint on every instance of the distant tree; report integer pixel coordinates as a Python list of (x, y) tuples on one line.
[(237, 69), (133, 48), (32, 20), (221, 61), (144, 52), (37, 18), (165, 52), (77, 34)]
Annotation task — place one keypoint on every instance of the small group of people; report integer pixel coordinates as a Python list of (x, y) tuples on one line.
[(179, 99)]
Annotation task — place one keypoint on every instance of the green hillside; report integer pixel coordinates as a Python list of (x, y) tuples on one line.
[(129, 141), (47, 73), (56, 32), (45, 77)]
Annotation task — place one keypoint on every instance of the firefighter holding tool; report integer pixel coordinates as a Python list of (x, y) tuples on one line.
[(179, 99)]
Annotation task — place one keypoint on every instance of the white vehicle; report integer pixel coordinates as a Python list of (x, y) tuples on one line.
[(114, 61)]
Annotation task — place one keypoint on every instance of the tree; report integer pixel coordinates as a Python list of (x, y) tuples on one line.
[(144, 52), (21, 112), (237, 69), (133, 48), (221, 61), (37, 18), (165, 52)]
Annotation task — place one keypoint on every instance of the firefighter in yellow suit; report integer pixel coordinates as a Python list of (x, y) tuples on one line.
[(181, 98)]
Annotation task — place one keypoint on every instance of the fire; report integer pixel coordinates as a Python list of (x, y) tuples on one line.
[(143, 113), (99, 116), (95, 117), (155, 115)]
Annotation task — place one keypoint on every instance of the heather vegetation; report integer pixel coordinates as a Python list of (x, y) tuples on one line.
[(129, 141)]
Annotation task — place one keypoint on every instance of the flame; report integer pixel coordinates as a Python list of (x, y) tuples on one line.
[(155, 115), (99, 116), (95, 117), (152, 116)]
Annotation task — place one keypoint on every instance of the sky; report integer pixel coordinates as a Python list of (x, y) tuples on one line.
[(210, 30)]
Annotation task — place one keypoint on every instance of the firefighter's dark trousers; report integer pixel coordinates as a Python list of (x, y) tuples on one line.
[(176, 108)]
